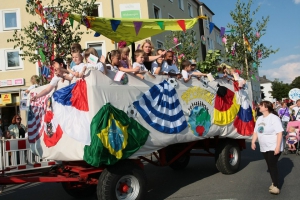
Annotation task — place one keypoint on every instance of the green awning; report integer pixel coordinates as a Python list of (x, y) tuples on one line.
[(132, 30)]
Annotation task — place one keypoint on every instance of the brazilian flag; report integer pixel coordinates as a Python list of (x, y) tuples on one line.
[(114, 136)]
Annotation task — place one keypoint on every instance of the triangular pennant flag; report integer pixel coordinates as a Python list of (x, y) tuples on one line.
[(97, 34), (181, 23), (71, 21), (43, 57), (211, 27), (161, 24), (222, 32), (114, 24), (137, 26)]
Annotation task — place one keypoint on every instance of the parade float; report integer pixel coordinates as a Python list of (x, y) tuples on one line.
[(98, 130)]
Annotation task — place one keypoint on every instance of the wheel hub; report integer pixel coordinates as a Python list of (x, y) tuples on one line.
[(127, 188), (124, 188)]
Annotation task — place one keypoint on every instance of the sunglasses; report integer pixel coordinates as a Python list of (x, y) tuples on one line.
[(18, 118)]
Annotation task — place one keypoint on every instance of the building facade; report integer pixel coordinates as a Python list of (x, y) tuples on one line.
[(266, 88), (15, 73)]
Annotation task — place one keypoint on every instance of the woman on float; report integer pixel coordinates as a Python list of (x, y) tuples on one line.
[(148, 48)]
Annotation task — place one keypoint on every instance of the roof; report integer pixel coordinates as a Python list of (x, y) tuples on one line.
[(264, 79), (207, 8), (197, 2)]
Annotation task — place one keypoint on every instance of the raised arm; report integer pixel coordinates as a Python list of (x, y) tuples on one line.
[(44, 92)]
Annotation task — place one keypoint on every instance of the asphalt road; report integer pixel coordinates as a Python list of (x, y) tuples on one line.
[(200, 180)]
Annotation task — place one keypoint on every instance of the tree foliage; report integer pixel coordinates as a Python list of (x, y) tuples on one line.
[(279, 89), (53, 34), (245, 26), (209, 65), (189, 47)]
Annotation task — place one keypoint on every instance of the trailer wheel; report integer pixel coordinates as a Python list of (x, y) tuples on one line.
[(125, 180), (178, 164), (79, 191), (228, 157)]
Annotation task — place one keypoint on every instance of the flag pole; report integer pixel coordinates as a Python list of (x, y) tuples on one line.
[(246, 60)]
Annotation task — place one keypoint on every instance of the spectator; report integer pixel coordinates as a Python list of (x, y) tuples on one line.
[(16, 129), (148, 48), (296, 109), (284, 114), (268, 131)]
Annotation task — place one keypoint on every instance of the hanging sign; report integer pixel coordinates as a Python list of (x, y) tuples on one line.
[(6, 98), (12, 82)]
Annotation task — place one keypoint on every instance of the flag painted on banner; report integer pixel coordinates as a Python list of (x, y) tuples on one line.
[(161, 109), (71, 111), (37, 110), (114, 136)]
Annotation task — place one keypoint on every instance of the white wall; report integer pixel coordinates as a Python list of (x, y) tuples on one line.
[(266, 90)]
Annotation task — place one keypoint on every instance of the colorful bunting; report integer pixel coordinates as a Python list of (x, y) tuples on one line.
[(222, 32), (230, 31), (259, 53), (71, 21), (224, 40), (247, 44), (161, 24), (137, 26), (254, 65), (257, 34), (43, 57), (39, 63), (45, 71), (211, 27), (97, 34), (115, 24), (181, 23)]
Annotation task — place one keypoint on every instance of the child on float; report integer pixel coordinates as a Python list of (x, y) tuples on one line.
[(113, 62), (75, 48), (60, 69), (187, 72), (157, 64), (125, 60), (292, 138), (79, 69), (35, 83), (139, 63), (100, 65)]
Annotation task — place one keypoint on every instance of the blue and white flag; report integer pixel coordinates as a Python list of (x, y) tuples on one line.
[(161, 109)]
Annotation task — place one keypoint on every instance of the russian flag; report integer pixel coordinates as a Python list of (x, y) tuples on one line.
[(70, 105)]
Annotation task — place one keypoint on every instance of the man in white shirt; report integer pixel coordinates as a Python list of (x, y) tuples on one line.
[(296, 108)]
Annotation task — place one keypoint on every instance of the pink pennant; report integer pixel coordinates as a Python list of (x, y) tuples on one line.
[(137, 26)]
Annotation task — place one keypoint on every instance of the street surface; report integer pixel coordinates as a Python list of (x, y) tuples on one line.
[(200, 180)]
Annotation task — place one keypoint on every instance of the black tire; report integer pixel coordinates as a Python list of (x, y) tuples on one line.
[(112, 178), (79, 192), (179, 164), (228, 157)]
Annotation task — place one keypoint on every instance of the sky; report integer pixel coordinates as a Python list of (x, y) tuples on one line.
[(283, 32)]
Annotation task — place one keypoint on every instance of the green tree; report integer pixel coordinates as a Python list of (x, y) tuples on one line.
[(295, 83), (245, 27), (279, 89), (188, 48), (53, 34), (209, 65)]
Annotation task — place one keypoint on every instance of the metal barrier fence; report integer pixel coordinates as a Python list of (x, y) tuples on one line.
[(16, 156)]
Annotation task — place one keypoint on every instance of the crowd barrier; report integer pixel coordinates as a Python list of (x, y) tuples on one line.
[(16, 156)]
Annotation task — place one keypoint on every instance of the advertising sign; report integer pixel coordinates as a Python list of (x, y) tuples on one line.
[(132, 10), (6, 98)]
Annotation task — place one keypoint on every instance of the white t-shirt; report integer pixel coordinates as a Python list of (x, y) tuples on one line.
[(32, 87), (78, 68), (267, 129), (169, 68), (112, 68), (99, 66), (296, 109), (186, 74), (141, 66), (54, 81)]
